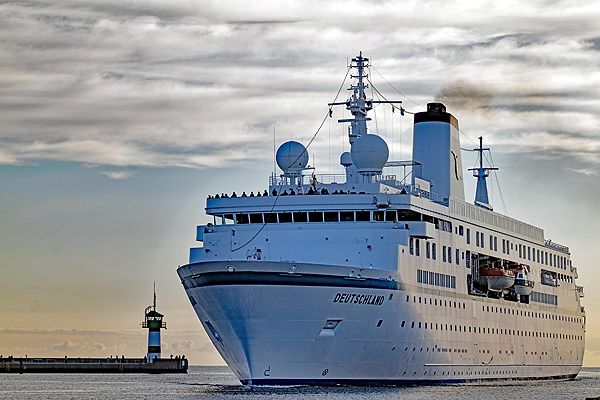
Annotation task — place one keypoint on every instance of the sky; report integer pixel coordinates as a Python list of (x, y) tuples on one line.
[(118, 118)]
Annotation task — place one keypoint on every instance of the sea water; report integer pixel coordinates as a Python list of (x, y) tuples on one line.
[(220, 383)]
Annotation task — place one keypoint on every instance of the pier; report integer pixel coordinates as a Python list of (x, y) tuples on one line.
[(93, 365)]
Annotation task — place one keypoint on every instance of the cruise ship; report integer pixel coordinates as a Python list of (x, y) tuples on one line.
[(367, 278)]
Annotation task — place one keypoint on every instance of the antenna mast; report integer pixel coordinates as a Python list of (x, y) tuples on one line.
[(481, 194), (358, 104)]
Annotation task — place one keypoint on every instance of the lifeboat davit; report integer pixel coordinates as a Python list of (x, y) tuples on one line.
[(496, 279)]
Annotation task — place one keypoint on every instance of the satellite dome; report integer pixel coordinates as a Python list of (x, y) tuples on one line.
[(370, 153), (291, 155), (346, 159)]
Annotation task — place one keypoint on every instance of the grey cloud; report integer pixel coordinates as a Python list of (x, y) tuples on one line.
[(43, 331), (203, 85)]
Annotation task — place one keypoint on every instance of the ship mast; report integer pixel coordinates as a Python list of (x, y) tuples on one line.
[(358, 104), (481, 194)]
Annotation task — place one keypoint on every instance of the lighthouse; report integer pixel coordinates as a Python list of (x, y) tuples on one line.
[(154, 322)]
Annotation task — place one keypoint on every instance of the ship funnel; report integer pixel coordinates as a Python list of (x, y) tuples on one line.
[(436, 146)]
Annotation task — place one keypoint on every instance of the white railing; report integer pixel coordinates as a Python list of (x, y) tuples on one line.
[(473, 212)]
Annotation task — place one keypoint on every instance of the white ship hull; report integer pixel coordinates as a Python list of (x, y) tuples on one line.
[(274, 333)]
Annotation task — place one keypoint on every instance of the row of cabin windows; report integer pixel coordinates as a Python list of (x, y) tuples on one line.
[(493, 331), (434, 302), (431, 251), (314, 216), (493, 309), (525, 252), (532, 314), (331, 216), (437, 279), (544, 298)]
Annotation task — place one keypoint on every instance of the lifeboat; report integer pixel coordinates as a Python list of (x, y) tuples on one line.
[(523, 280), (496, 279)]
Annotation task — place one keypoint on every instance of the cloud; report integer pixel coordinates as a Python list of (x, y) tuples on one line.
[(201, 85), (69, 346), (118, 174), (46, 331), (182, 346)]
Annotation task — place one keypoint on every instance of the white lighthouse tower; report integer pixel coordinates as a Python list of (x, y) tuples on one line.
[(154, 322)]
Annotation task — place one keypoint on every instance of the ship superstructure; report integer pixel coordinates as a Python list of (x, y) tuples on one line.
[(367, 279)]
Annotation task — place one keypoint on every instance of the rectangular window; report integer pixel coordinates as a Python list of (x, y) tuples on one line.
[(454, 283), (538, 255), (433, 251), (495, 243), (460, 230), (228, 219), (419, 276), (508, 245), (491, 242), (425, 277), (256, 218), (432, 279), (450, 255), (315, 216), (363, 216), (428, 249), (417, 248), (468, 236), (411, 244), (520, 250), (300, 217), (442, 280), (378, 215), (546, 257), (529, 253), (444, 253), (271, 218), (482, 240), (390, 216), (331, 216), (285, 217), (457, 257), (477, 239), (437, 279), (346, 216), (242, 218), (503, 246)]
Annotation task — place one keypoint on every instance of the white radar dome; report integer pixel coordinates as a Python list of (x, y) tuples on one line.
[(291, 155), (346, 159), (370, 153)]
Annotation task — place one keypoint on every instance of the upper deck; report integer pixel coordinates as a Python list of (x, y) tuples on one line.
[(381, 197)]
